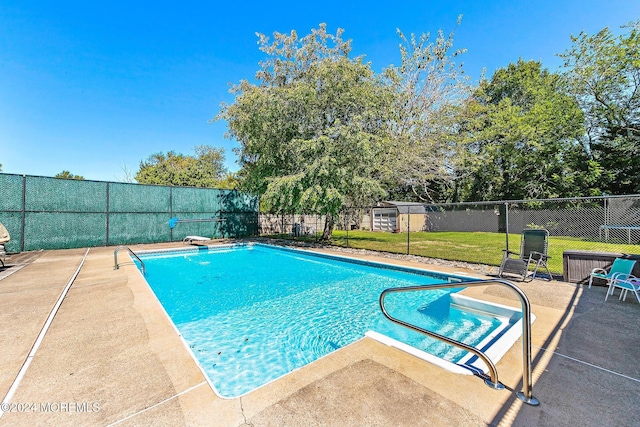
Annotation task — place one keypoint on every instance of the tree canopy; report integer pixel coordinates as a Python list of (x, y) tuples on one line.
[(69, 175), (603, 74), (205, 169), (320, 131), (431, 100), (526, 130), (314, 129)]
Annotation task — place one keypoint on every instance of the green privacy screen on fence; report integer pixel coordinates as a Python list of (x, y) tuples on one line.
[(50, 213)]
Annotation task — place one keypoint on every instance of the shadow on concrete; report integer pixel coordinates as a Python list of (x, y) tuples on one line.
[(592, 378)]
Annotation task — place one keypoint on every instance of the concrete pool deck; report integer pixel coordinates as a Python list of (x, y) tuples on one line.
[(112, 357)]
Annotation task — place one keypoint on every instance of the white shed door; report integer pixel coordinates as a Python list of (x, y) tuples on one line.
[(384, 219)]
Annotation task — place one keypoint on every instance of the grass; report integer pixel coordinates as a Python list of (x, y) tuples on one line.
[(473, 247)]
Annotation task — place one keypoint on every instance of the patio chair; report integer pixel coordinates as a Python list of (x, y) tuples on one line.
[(621, 268), (4, 238), (534, 245), (629, 284)]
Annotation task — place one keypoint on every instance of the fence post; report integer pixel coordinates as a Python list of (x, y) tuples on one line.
[(408, 228), (24, 199), (170, 212), (107, 212), (259, 218), (346, 227), (506, 222)]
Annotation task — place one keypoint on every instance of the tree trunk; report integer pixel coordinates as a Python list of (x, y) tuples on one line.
[(328, 227)]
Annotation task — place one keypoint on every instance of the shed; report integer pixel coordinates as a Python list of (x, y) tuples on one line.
[(398, 216)]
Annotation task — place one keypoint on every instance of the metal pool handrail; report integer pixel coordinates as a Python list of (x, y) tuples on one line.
[(527, 394), (115, 257)]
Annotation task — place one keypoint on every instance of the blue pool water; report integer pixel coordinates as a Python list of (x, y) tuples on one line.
[(253, 313)]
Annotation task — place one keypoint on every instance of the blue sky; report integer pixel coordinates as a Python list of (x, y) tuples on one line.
[(96, 87)]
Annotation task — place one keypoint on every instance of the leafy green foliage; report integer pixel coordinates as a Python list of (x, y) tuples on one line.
[(205, 169), (313, 131), (603, 73), (527, 131), (229, 182), (69, 175), (320, 131), (432, 95)]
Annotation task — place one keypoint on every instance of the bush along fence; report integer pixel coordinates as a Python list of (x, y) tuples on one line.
[(609, 224), (50, 213)]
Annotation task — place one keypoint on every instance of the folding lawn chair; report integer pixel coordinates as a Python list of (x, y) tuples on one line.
[(533, 250), (4, 238)]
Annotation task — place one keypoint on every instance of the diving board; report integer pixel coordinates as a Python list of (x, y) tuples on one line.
[(195, 240)]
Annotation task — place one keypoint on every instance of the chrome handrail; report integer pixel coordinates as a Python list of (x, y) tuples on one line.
[(527, 394), (115, 257)]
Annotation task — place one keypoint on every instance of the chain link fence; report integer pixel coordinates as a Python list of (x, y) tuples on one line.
[(612, 219), (49, 213), (608, 226), (293, 225)]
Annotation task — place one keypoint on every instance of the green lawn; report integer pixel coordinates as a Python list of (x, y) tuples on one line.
[(476, 247)]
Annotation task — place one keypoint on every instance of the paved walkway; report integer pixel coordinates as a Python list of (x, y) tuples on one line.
[(111, 357)]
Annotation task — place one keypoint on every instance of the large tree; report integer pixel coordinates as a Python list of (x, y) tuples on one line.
[(527, 132), (432, 96), (603, 73), (314, 127), (205, 169)]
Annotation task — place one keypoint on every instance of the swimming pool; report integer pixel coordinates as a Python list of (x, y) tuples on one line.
[(252, 313)]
